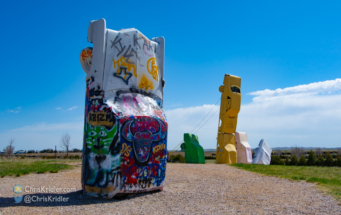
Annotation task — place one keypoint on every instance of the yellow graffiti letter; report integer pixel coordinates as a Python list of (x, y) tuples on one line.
[(152, 68), (116, 62), (145, 84), (125, 149)]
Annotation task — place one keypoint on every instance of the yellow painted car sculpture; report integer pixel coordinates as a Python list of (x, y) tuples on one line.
[(229, 109)]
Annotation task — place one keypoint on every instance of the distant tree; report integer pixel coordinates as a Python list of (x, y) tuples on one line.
[(276, 160), (338, 161), (76, 150), (298, 151), (183, 147), (177, 159), (320, 161), (311, 158), (65, 143), (329, 160), (30, 151), (293, 160), (278, 152), (9, 148), (287, 161), (273, 159), (302, 161), (47, 151), (339, 151), (318, 152)]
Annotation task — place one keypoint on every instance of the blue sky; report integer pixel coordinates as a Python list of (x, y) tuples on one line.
[(269, 44)]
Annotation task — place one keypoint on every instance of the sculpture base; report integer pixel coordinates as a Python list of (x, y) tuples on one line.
[(226, 149)]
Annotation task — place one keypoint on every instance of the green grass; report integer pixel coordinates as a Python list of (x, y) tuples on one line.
[(210, 161), (18, 167), (327, 177)]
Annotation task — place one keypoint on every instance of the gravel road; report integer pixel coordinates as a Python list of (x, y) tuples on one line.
[(189, 189)]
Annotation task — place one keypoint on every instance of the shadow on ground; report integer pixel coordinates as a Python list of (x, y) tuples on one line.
[(65, 199)]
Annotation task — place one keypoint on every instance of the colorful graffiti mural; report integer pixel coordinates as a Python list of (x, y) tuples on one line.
[(144, 164), (125, 128)]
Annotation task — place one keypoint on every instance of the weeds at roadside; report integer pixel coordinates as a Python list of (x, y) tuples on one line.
[(327, 177), (19, 167)]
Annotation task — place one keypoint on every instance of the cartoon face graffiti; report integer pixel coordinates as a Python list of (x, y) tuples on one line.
[(142, 132), (99, 139), (101, 143)]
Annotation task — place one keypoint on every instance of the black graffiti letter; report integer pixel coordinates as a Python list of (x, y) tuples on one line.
[(136, 42), (93, 117), (131, 54), (113, 43)]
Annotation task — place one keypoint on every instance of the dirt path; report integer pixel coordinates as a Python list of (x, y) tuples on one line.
[(189, 189)]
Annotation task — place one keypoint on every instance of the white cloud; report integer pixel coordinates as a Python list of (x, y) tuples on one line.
[(41, 136), (184, 120), (302, 115), (58, 108), (174, 105), (17, 110), (313, 88), (285, 117), (13, 111), (71, 108), (43, 127), (310, 120)]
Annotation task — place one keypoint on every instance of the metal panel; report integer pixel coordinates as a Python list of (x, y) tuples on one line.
[(133, 62), (244, 154), (263, 154), (194, 153)]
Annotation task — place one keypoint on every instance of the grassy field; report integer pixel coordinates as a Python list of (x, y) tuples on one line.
[(183, 153), (41, 155), (210, 161), (327, 177), (18, 167)]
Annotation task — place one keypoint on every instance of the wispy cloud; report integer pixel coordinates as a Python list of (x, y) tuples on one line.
[(13, 111), (72, 108), (16, 110), (45, 127), (43, 135), (185, 120), (174, 105), (301, 115), (58, 108), (313, 88), (304, 115)]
